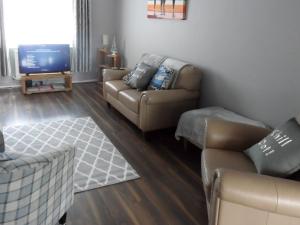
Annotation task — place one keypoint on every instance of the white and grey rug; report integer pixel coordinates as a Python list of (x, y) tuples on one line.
[(97, 162)]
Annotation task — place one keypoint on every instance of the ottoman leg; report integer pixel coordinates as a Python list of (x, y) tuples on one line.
[(63, 219), (185, 144)]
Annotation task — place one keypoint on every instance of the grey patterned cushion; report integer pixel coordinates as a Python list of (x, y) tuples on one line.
[(141, 76), (2, 146), (278, 154), (37, 189), (127, 77)]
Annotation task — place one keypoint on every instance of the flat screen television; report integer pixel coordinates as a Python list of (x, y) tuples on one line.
[(46, 58)]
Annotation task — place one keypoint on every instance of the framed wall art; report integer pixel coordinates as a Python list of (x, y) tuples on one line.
[(166, 9)]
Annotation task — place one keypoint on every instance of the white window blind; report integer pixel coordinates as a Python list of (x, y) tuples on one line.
[(38, 22)]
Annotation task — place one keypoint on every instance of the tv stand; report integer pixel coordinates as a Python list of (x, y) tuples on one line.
[(32, 90)]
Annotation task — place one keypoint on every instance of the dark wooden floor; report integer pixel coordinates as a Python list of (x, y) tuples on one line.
[(169, 190)]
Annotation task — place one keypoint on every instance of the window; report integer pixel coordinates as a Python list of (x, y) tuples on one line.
[(38, 22)]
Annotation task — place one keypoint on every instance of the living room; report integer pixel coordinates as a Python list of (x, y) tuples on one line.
[(233, 108)]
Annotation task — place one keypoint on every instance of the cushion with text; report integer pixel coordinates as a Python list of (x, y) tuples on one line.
[(278, 154)]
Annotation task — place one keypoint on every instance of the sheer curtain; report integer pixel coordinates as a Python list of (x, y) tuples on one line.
[(82, 46), (38, 22), (46, 22), (3, 55)]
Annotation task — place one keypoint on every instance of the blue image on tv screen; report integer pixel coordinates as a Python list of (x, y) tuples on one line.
[(44, 58)]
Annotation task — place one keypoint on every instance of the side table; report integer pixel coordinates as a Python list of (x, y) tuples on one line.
[(106, 60)]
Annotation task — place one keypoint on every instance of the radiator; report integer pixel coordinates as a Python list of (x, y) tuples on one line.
[(13, 63)]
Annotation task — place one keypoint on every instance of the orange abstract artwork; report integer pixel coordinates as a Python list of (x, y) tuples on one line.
[(167, 9)]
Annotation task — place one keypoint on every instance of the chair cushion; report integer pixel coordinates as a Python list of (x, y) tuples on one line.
[(213, 159), (131, 99), (114, 87)]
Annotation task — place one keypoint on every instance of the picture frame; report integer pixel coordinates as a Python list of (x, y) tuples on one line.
[(167, 9)]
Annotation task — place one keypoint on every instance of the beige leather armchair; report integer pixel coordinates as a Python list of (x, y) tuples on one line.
[(235, 193), (153, 109)]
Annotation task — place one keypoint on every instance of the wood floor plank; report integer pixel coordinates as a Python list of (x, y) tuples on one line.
[(169, 191)]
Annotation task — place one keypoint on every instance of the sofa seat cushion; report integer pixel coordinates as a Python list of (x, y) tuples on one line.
[(114, 87), (213, 159), (131, 99)]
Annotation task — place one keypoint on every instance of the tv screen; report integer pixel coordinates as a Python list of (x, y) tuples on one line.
[(47, 58)]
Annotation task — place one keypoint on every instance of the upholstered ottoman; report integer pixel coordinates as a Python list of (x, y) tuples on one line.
[(191, 125)]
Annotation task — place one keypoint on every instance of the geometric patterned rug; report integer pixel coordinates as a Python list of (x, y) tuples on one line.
[(97, 161)]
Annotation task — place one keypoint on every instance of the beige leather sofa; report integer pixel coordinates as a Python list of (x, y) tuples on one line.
[(235, 193), (153, 109)]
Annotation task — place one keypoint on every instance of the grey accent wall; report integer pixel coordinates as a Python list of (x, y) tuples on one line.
[(248, 50), (104, 21)]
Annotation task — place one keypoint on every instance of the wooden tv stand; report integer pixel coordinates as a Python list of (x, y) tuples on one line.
[(26, 90)]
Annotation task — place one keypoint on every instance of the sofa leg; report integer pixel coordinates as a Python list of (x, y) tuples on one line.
[(63, 219), (145, 136), (185, 144), (108, 104)]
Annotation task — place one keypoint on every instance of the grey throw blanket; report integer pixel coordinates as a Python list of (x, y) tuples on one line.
[(176, 65), (192, 123), (152, 59)]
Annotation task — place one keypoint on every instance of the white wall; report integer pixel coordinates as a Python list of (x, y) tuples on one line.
[(249, 50)]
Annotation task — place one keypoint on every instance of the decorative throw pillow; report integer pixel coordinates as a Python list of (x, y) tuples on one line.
[(278, 154), (129, 75), (126, 77), (141, 76), (2, 146), (162, 79)]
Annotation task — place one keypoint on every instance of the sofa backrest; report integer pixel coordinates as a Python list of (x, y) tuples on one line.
[(187, 77)]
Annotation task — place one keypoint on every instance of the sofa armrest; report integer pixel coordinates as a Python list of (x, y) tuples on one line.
[(271, 194), (168, 96), (162, 109), (111, 74), (221, 134)]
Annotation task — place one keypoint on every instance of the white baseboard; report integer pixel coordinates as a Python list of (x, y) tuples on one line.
[(85, 81), (10, 86)]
